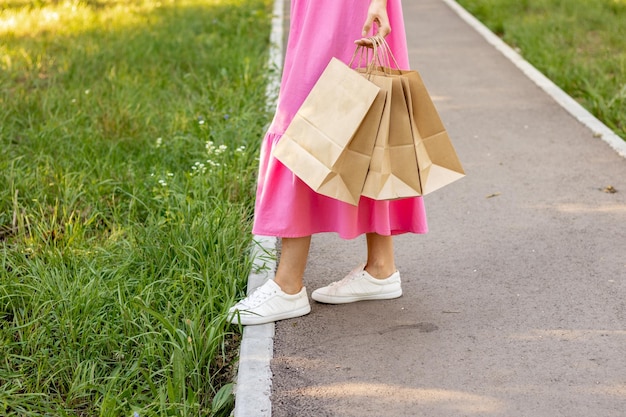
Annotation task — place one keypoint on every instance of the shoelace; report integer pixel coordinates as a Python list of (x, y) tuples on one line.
[(257, 297)]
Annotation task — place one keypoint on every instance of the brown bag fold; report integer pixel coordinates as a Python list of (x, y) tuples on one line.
[(393, 171), (439, 164)]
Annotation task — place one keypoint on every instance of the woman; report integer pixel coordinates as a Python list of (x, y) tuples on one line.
[(288, 208)]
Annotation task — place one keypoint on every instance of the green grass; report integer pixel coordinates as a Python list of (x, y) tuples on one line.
[(579, 44), (129, 133)]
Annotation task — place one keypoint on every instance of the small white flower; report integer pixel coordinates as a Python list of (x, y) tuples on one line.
[(159, 142), (163, 183), (220, 150)]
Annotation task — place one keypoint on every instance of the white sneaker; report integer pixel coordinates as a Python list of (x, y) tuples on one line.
[(269, 303), (358, 285)]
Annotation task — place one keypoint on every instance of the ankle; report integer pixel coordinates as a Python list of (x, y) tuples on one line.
[(380, 271), (290, 286)]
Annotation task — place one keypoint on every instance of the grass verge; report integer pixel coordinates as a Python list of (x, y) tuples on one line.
[(129, 132), (578, 44)]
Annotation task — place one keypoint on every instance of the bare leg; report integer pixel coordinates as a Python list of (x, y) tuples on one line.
[(380, 259), (266, 304), (293, 258)]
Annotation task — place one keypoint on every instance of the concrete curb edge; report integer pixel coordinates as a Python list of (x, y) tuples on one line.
[(581, 114), (253, 387)]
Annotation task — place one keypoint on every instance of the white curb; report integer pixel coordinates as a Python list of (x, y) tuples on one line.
[(598, 128), (253, 388)]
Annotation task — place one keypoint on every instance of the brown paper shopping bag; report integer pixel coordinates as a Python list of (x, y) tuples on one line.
[(437, 161), (317, 145), (393, 171)]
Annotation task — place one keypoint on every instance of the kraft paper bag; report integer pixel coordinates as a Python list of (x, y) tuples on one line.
[(393, 171), (317, 145), (437, 161)]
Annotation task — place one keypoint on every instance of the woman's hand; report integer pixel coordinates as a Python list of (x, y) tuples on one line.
[(376, 14)]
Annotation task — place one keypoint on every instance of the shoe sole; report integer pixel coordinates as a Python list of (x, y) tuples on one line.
[(330, 299), (251, 320)]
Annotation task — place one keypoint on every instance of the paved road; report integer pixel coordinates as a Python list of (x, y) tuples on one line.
[(515, 302)]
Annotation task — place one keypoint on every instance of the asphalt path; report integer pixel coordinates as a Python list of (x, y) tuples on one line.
[(515, 302)]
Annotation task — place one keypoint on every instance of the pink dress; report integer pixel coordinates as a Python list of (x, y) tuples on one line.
[(285, 206)]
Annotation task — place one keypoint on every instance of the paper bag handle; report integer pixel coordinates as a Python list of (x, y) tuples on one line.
[(382, 57)]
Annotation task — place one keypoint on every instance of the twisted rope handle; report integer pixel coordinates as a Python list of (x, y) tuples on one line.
[(382, 57), (386, 57)]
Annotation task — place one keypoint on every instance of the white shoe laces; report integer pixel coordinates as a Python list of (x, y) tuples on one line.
[(258, 297)]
